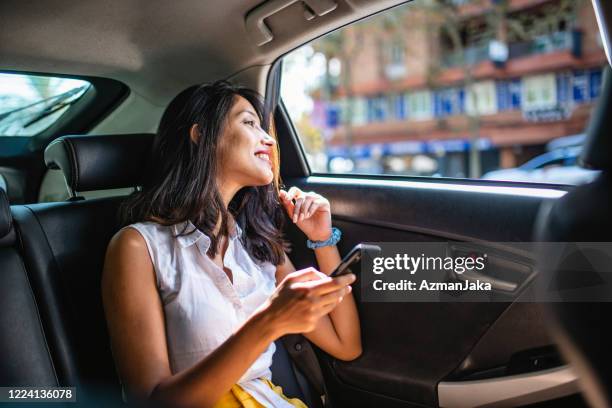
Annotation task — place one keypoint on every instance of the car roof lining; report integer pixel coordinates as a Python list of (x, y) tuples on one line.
[(158, 48)]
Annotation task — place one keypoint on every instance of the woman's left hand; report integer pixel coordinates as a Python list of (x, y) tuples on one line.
[(311, 212)]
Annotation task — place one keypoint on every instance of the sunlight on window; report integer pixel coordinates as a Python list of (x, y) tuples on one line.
[(30, 104)]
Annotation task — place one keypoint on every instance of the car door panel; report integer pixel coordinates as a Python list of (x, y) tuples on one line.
[(409, 347)]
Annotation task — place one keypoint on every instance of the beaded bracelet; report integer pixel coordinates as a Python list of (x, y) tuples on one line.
[(332, 240)]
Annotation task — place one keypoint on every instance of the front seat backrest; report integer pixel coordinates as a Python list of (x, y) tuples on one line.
[(583, 215)]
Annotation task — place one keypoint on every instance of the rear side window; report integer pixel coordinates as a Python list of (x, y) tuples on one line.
[(462, 89), (29, 104)]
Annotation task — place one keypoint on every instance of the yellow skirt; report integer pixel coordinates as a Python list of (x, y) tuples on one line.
[(237, 397)]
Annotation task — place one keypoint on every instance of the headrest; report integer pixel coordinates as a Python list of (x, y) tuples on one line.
[(597, 151), (99, 162), (6, 220)]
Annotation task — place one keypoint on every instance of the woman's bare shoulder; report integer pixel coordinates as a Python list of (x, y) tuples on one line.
[(127, 250), (127, 238)]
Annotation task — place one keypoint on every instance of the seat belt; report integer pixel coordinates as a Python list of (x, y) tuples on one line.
[(305, 358)]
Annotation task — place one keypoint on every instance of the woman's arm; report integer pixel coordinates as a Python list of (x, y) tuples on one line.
[(135, 320), (337, 333)]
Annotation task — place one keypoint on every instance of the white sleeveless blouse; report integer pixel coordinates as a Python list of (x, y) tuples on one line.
[(201, 305)]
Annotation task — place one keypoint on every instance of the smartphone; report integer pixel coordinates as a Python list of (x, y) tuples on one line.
[(355, 256)]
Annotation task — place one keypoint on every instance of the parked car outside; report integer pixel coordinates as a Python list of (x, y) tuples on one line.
[(559, 165)]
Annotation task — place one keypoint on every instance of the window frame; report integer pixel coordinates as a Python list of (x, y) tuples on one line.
[(283, 122), (21, 156), (98, 101)]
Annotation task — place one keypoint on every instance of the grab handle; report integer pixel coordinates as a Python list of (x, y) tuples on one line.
[(260, 32)]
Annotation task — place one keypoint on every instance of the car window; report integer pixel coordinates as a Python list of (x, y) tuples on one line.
[(29, 104), (462, 89)]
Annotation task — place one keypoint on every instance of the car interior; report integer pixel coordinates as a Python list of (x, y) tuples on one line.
[(61, 186)]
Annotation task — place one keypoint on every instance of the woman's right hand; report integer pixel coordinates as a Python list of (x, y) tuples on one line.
[(302, 298)]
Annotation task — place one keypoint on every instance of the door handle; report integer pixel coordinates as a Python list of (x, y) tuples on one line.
[(496, 284), (505, 272)]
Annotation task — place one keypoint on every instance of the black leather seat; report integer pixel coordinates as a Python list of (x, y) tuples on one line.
[(63, 247), (24, 353), (583, 215)]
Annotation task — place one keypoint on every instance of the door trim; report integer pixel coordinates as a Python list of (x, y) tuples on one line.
[(509, 391)]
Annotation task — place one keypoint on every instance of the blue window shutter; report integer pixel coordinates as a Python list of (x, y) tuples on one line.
[(595, 83), (564, 94), (502, 89), (447, 107), (332, 116), (580, 86), (400, 107), (460, 100), (515, 92), (381, 108)]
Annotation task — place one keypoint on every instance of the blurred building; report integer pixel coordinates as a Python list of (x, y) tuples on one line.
[(425, 86)]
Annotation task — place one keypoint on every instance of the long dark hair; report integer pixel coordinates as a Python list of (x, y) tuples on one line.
[(180, 181)]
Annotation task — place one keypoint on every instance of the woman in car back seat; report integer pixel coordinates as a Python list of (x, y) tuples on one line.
[(197, 285)]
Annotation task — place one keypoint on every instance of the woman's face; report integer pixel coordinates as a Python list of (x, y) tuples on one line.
[(246, 150)]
